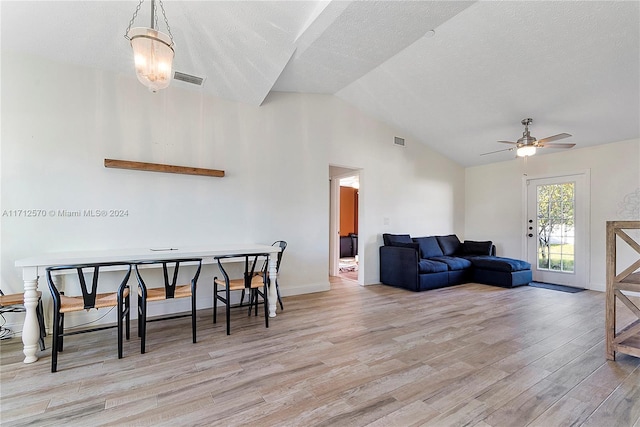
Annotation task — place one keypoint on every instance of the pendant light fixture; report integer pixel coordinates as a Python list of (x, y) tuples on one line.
[(152, 50)]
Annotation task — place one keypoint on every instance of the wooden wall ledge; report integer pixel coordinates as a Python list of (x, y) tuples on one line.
[(157, 167)]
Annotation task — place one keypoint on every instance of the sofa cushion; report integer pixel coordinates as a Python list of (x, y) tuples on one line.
[(412, 245), (429, 266), (499, 263), (392, 239), (449, 244), (454, 263), (470, 247), (428, 247)]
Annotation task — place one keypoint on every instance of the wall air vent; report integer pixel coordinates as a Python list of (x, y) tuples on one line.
[(398, 141), (188, 78)]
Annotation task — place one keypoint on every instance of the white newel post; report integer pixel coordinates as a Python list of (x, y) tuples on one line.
[(273, 275), (31, 328)]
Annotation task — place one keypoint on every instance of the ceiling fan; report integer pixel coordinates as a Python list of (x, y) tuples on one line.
[(527, 145)]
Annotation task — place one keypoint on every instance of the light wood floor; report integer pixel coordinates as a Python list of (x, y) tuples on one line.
[(375, 356)]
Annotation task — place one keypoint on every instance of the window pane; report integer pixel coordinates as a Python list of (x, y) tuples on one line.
[(556, 227)]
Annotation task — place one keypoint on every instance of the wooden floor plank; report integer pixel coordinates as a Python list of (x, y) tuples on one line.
[(623, 404), (471, 355)]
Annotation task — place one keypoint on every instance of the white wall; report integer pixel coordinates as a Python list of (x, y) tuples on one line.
[(59, 123), (407, 189), (494, 196)]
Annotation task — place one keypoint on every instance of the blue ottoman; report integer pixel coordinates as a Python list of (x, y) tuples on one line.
[(500, 271)]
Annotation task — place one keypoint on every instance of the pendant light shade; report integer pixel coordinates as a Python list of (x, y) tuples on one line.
[(152, 50), (153, 56)]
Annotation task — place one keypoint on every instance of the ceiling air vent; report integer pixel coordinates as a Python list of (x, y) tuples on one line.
[(188, 78), (398, 141)]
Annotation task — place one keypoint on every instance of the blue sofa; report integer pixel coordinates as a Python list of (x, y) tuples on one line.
[(423, 263)]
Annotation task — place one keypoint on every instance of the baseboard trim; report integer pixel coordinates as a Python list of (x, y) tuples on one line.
[(308, 288)]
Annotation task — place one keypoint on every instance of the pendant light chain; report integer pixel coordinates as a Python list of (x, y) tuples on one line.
[(166, 21), (135, 15)]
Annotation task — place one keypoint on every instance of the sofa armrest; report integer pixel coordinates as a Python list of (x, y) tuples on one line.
[(399, 267)]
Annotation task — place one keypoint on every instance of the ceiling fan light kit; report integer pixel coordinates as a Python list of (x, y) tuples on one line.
[(526, 150), (528, 145), (152, 50)]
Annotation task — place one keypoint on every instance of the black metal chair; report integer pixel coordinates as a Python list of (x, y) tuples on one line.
[(283, 246), (90, 298), (14, 303), (252, 282), (170, 290), (265, 267)]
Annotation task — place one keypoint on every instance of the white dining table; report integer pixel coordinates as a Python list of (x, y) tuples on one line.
[(34, 267)]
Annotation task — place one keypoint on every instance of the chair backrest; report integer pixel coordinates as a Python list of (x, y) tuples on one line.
[(250, 262), (283, 246), (168, 264), (88, 295)]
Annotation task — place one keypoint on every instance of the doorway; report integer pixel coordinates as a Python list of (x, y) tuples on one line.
[(557, 229), (344, 258)]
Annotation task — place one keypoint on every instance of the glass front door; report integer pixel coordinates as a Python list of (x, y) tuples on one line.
[(556, 230)]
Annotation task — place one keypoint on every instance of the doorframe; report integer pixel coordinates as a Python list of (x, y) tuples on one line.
[(334, 222), (586, 174)]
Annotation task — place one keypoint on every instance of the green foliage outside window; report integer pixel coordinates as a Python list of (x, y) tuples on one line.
[(556, 221)]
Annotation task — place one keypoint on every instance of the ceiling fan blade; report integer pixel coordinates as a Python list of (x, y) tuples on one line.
[(508, 142), (498, 151), (553, 138), (559, 145)]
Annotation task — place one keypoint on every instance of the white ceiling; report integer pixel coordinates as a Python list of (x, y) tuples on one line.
[(573, 66)]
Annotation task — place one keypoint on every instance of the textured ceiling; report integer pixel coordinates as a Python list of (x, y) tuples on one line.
[(573, 66)]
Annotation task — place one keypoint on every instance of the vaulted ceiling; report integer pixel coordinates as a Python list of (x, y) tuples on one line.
[(456, 76)]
